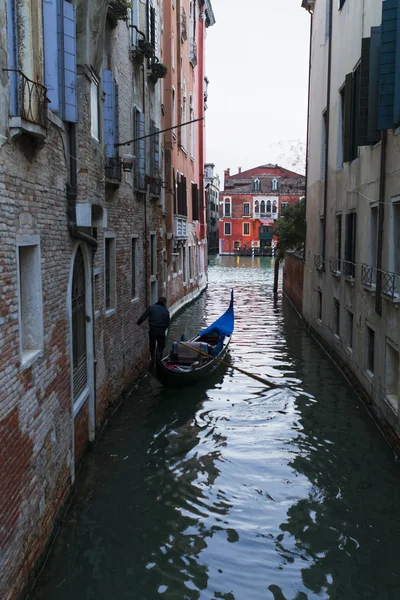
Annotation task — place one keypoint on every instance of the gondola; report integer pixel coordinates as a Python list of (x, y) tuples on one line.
[(186, 363)]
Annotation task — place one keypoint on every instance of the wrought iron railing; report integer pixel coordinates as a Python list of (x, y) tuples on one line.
[(348, 269), (368, 275), (193, 52), (388, 284), (334, 265), (318, 262), (113, 168), (31, 99)]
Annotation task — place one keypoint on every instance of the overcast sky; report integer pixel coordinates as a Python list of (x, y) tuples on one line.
[(257, 64)]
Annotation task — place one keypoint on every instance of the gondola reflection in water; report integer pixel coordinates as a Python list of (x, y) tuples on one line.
[(193, 360)]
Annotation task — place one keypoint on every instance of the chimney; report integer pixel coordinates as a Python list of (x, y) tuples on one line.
[(227, 173), (239, 170)]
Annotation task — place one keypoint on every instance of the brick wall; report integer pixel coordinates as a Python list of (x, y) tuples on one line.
[(293, 276)]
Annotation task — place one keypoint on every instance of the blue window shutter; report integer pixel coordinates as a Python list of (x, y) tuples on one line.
[(51, 52), (387, 64), (12, 57), (396, 111), (142, 152), (69, 38), (109, 134)]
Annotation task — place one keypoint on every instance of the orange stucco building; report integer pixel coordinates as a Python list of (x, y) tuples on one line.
[(185, 23)]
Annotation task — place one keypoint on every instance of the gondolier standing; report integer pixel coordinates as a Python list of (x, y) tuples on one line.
[(158, 315)]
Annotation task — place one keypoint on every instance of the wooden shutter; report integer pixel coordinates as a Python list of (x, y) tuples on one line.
[(51, 53), (362, 122), (396, 111), (69, 56), (134, 21), (373, 93), (109, 120), (387, 64), (12, 57), (156, 153), (348, 121), (142, 152), (116, 116)]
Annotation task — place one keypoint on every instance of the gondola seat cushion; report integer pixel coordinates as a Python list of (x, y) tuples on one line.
[(184, 355)]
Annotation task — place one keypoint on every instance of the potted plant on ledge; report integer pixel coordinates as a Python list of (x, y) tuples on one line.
[(158, 70)]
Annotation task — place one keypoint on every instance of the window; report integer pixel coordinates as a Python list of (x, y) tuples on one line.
[(256, 186), (173, 51), (338, 241), (134, 17), (195, 202), (173, 109), (30, 298), (151, 24), (341, 128), (199, 260), (284, 206), (97, 292), (392, 375), (184, 119), (192, 130), (246, 228), (139, 149), (163, 267), (350, 248), (227, 207), (246, 208), (274, 185), (336, 317), (319, 305), (257, 207), (94, 108), (153, 255), (394, 240), (268, 207), (373, 246), (370, 358), (134, 267), (190, 263), (323, 146), (236, 245), (184, 263), (154, 150), (274, 207), (349, 329), (109, 272), (227, 229)]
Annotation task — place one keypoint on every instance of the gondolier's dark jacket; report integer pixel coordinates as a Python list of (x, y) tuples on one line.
[(158, 316)]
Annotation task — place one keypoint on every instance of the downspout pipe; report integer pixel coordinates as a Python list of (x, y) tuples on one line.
[(381, 218), (308, 136), (328, 110)]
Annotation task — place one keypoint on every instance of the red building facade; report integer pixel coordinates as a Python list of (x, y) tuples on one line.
[(250, 205)]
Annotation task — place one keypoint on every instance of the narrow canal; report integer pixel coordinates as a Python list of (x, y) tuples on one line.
[(230, 490)]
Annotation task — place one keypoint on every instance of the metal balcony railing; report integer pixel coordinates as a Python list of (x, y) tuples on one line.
[(348, 269), (334, 265), (193, 53), (113, 168), (388, 284), (318, 262), (31, 99), (368, 275)]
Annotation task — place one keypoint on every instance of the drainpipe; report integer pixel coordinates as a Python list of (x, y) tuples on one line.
[(328, 110), (308, 135), (146, 248), (381, 217)]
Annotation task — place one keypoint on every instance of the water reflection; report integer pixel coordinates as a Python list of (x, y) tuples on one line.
[(230, 490)]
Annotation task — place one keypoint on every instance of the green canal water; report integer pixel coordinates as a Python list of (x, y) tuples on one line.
[(231, 490)]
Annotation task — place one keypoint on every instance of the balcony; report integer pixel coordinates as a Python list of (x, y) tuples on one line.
[(390, 285), (318, 262), (113, 170), (180, 224), (334, 266), (118, 10), (348, 270), (28, 106), (193, 53)]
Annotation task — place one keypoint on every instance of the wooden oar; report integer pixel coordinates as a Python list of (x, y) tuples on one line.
[(222, 362)]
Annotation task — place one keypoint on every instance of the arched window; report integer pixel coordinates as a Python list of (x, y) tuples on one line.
[(256, 185), (274, 185), (275, 207), (262, 207), (256, 207), (269, 206)]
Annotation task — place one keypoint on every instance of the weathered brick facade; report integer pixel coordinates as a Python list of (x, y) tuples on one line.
[(58, 207)]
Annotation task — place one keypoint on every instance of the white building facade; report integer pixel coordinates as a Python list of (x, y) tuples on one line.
[(352, 268)]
